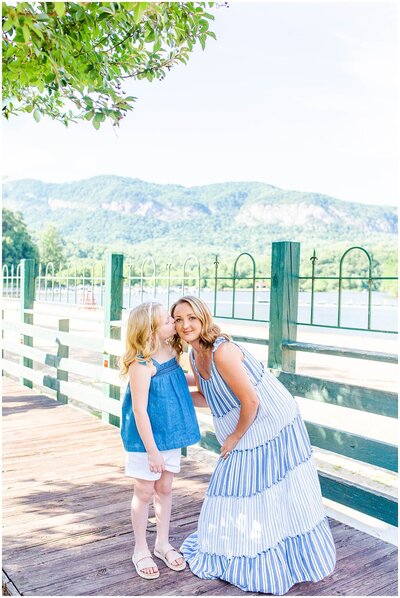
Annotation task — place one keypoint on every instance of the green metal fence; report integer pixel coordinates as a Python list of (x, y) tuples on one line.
[(71, 284), (283, 346), (239, 295), (12, 281), (369, 279)]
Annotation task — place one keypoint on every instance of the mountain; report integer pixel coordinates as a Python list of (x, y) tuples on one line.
[(120, 211)]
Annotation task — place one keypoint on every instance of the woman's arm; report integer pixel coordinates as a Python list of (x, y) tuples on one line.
[(139, 381), (228, 359), (190, 379), (198, 399)]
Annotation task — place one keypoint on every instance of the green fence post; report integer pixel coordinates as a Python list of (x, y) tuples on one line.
[(27, 300), (113, 297), (285, 269), (62, 351)]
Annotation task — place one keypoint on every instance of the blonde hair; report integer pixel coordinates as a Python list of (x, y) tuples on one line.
[(209, 330), (141, 334)]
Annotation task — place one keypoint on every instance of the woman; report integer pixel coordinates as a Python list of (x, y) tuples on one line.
[(262, 526)]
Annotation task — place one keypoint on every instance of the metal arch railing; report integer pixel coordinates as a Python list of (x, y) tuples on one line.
[(341, 283), (234, 284), (340, 278), (216, 264), (74, 277), (151, 259), (313, 259), (6, 279), (12, 281), (46, 276), (168, 284), (129, 279), (184, 277), (96, 281)]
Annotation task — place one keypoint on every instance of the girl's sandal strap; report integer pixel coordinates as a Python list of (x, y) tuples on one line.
[(169, 562), (140, 556)]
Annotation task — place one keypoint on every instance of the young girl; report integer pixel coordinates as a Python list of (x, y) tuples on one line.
[(158, 419)]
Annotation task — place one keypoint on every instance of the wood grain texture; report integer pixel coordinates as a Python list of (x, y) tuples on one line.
[(66, 516)]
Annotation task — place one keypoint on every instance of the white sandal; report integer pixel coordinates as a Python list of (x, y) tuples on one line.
[(140, 556), (169, 564)]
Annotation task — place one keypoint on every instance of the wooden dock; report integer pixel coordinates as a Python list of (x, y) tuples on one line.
[(66, 515)]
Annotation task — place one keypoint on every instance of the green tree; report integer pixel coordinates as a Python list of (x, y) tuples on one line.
[(52, 247), (17, 242), (69, 60)]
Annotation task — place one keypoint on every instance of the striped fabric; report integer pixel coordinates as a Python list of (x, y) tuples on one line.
[(247, 472), (262, 526)]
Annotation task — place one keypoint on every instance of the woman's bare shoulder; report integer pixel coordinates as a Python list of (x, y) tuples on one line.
[(226, 352)]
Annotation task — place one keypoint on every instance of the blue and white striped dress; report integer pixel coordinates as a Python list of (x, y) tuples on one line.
[(262, 526)]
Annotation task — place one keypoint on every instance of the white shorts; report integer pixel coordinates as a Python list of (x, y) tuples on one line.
[(137, 464)]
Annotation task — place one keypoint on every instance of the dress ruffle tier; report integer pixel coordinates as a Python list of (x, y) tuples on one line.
[(306, 557)]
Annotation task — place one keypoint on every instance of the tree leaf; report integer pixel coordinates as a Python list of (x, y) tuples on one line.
[(139, 11), (49, 78), (59, 8), (26, 33), (36, 115), (8, 25)]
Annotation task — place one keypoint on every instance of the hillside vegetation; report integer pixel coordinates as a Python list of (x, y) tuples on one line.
[(138, 218)]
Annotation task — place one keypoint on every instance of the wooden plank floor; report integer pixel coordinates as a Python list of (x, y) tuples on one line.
[(66, 522)]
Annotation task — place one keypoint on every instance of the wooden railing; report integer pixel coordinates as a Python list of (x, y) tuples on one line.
[(282, 349)]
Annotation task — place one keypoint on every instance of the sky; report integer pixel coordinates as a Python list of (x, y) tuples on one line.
[(300, 95)]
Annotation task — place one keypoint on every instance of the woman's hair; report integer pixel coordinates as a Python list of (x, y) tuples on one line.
[(209, 330), (141, 334)]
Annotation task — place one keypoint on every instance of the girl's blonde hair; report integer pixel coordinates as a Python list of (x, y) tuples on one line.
[(209, 330), (141, 334)]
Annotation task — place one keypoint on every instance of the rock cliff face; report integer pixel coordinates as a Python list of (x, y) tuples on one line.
[(106, 209), (309, 216)]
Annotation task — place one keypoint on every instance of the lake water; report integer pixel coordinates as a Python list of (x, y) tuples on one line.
[(354, 309)]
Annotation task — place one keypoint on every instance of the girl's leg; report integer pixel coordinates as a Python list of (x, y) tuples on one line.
[(143, 491), (162, 510)]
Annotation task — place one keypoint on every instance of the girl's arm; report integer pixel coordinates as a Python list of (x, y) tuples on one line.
[(139, 381), (228, 359)]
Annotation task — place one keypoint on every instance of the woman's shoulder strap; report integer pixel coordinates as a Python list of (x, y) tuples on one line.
[(219, 341), (193, 361)]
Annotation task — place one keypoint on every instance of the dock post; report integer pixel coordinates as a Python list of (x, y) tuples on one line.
[(62, 351), (285, 269), (26, 317), (113, 298)]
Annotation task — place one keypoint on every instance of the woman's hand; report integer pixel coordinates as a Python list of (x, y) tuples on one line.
[(156, 462), (228, 446)]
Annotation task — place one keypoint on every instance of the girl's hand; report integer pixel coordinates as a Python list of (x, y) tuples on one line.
[(156, 462), (228, 446)]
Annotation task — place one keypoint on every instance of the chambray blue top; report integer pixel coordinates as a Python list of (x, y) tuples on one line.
[(170, 408)]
